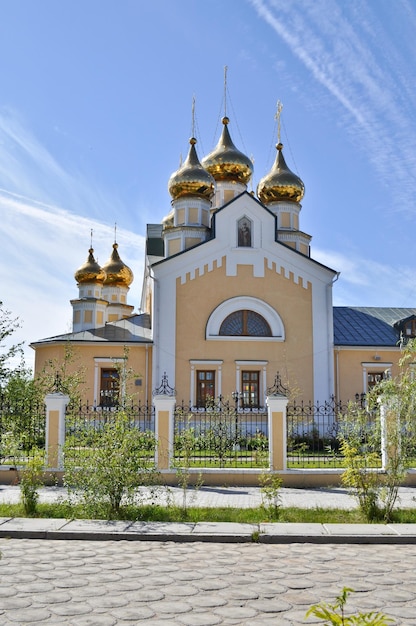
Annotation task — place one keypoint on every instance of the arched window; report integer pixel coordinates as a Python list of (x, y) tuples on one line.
[(244, 318), (245, 323)]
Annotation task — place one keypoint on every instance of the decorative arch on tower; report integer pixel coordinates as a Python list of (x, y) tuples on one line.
[(244, 318)]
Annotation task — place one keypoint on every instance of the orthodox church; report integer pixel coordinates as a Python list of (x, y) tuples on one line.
[(231, 296)]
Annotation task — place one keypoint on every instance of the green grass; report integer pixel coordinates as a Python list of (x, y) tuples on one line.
[(156, 513)]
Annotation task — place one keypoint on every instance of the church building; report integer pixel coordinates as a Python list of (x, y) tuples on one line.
[(231, 297)]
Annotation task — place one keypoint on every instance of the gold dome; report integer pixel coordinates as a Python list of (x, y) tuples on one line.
[(191, 179), (168, 219), (90, 272), (225, 162), (280, 183), (117, 273)]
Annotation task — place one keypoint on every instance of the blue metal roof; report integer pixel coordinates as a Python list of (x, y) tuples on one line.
[(368, 326)]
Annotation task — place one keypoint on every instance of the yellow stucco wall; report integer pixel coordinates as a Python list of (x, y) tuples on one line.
[(83, 360), (292, 358), (349, 368)]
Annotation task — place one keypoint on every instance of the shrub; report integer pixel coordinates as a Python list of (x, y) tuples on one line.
[(106, 473)]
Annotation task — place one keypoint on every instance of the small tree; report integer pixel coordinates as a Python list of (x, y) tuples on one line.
[(335, 613), (108, 458), (363, 433), (185, 444), (8, 325), (112, 463), (65, 375)]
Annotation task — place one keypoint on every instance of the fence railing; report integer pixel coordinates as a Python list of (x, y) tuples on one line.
[(312, 434), (85, 426), (22, 428), (220, 435)]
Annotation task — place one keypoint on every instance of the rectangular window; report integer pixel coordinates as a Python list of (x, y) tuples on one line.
[(373, 378), (410, 328), (205, 387), (109, 387), (250, 387)]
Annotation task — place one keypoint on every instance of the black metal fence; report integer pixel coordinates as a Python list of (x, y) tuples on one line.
[(22, 428), (220, 435), (312, 434), (86, 427)]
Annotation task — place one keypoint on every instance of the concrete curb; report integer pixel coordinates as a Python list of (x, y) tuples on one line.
[(227, 532)]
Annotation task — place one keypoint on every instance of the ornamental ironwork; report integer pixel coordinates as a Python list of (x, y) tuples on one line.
[(277, 389), (164, 389)]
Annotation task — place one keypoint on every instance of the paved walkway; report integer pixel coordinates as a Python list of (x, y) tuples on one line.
[(241, 497), (107, 583), (215, 532), (122, 573)]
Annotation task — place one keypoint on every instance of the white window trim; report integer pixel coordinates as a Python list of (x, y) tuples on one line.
[(215, 364), (239, 303), (373, 366), (252, 365), (99, 361)]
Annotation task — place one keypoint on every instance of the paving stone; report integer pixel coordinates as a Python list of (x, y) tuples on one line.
[(70, 582), (54, 597), (181, 590), (134, 614), (198, 620), (71, 609), (236, 612), (207, 601), (96, 620), (299, 583), (14, 603), (173, 607), (109, 601), (242, 594), (148, 595), (270, 606), (26, 616)]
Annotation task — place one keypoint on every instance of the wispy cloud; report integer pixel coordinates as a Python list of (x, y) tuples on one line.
[(340, 45), (43, 243), (379, 285), (28, 168)]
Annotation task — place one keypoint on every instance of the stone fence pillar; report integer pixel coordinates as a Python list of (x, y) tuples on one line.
[(164, 420), (390, 431), (56, 404), (276, 408)]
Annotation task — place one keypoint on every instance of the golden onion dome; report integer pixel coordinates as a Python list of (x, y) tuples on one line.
[(191, 179), (280, 183), (90, 272), (168, 220), (117, 272), (226, 162)]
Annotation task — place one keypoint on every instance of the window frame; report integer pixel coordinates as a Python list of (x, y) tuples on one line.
[(202, 387), (245, 315), (109, 393), (249, 387)]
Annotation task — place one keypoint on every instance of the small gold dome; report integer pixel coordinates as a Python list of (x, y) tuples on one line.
[(90, 272), (226, 162), (280, 183), (168, 219), (191, 179), (117, 273)]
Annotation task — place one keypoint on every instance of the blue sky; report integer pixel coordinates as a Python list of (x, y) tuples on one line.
[(95, 113)]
